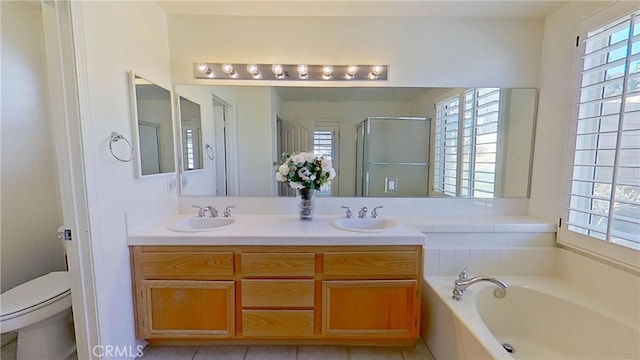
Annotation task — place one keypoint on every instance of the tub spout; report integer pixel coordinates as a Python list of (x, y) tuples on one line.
[(461, 286)]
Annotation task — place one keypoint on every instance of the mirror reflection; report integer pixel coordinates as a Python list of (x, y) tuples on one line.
[(153, 127), (191, 134), (469, 142)]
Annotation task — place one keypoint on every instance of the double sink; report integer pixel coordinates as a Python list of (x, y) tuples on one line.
[(201, 224)]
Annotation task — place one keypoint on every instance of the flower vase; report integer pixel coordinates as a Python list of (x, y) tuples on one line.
[(307, 200)]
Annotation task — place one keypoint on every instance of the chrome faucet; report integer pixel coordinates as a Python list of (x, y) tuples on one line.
[(349, 213), (374, 212), (363, 212), (227, 211), (212, 211), (200, 211), (462, 283)]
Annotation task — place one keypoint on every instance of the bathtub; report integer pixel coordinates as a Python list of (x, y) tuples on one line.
[(542, 317)]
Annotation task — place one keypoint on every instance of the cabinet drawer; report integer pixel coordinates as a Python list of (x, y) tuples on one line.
[(278, 264), (277, 293), (277, 323), (371, 263), (189, 265)]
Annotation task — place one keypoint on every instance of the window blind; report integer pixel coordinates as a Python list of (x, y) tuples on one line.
[(323, 143), (446, 146), (604, 200), (480, 142)]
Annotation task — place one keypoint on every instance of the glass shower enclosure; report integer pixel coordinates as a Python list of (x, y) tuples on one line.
[(392, 156)]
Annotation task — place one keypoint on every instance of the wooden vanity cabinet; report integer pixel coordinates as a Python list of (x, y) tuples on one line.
[(304, 294)]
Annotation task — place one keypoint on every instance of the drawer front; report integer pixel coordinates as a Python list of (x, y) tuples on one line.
[(371, 263), (278, 264), (277, 293), (277, 323), (189, 265)]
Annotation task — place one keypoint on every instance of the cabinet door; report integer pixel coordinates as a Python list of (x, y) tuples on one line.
[(371, 308), (175, 309)]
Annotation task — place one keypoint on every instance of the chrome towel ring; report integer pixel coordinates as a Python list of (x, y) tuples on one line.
[(209, 151), (115, 137)]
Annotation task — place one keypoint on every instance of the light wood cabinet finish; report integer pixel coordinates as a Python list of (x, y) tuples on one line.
[(188, 308), (277, 323), (361, 263), (370, 308), (270, 294), (277, 293), (278, 264)]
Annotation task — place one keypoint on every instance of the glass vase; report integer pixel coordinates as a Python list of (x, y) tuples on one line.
[(307, 200)]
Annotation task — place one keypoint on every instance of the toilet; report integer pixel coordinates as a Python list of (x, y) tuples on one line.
[(40, 311)]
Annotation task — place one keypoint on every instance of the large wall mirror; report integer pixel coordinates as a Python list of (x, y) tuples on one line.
[(478, 138), (152, 112)]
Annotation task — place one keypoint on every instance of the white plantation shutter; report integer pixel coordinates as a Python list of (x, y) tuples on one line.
[(323, 146), (604, 198), (480, 142), (446, 146)]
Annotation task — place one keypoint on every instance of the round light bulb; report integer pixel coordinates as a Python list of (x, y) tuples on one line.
[(203, 68), (227, 69), (253, 69), (302, 69), (277, 69), (352, 69), (327, 70), (377, 69)]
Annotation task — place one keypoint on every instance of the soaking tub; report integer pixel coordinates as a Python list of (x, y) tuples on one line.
[(540, 318)]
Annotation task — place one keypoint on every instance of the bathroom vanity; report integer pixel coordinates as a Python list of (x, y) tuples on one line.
[(273, 279)]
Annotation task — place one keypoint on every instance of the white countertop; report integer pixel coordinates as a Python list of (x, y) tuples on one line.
[(479, 224), (272, 230)]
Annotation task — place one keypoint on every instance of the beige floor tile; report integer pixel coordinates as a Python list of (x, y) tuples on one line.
[(271, 353), (374, 353), (9, 351), (323, 353), (169, 353), (419, 352), (221, 353)]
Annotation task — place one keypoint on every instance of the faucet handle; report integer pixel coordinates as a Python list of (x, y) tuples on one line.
[(349, 213), (463, 273), (227, 211), (201, 210), (374, 212)]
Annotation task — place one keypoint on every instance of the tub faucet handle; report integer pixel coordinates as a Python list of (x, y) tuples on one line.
[(463, 273)]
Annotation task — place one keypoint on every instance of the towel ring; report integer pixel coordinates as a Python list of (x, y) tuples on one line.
[(209, 151), (114, 138)]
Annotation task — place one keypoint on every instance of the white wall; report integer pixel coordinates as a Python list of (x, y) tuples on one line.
[(31, 210), (555, 104), (420, 51), (119, 37)]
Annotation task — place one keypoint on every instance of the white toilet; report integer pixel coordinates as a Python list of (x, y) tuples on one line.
[(40, 311)]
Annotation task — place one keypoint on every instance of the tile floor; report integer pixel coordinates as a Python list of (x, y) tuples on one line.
[(419, 352)]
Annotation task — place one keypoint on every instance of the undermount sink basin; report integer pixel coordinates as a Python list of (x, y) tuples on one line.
[(363, 225), (195, 224)]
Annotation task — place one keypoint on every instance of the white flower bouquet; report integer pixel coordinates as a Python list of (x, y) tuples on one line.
[(303, 170)]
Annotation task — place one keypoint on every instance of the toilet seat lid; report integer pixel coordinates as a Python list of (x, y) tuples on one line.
[(34, 292)]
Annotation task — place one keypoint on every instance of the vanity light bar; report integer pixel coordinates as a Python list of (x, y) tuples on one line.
[(221, 71)]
